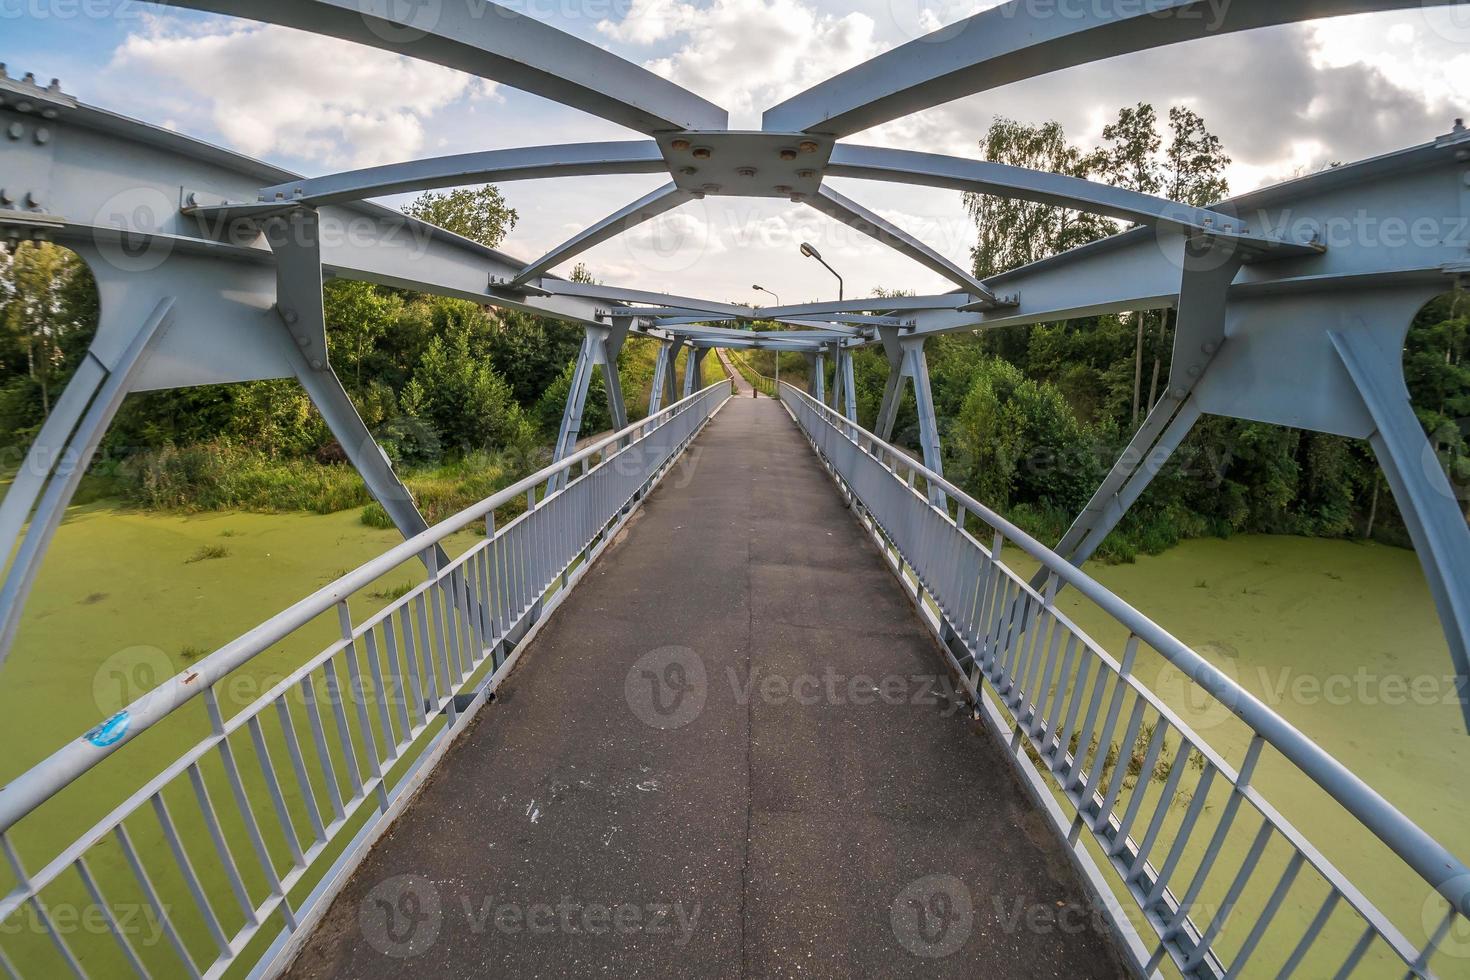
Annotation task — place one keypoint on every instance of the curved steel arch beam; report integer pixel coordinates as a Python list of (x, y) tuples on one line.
[(1002, 180), (491, 41), (646, 208), (619, 294), (1006, 44), (483, 167), (854, 215)]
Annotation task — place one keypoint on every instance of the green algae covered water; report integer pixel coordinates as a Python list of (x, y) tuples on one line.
[(1341, 638)]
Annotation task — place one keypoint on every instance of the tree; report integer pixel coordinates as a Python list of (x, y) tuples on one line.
[(1194, 165), (45, 308), (1191, 170), (1131, 161), (580, 273), (1013, 232), (480, 214), (1130, 158), (357, 315)]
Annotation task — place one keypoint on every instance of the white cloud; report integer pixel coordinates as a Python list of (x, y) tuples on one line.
[(747, 55), (273, 91)]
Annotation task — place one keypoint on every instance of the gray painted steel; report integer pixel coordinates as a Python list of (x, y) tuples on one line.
[(1293, 303)]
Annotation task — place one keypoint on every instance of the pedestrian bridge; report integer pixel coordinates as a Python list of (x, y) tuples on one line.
[(741, 688), (809, 710)]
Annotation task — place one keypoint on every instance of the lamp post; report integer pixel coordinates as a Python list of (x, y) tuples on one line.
[(811, 253), (763, 289)]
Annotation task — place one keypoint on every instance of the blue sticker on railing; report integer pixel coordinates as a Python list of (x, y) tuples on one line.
[(110, 731)]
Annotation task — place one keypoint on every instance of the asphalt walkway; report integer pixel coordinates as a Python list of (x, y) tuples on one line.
[(731, 753)]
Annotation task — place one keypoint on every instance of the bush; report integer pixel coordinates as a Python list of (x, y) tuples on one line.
[(219, 475)]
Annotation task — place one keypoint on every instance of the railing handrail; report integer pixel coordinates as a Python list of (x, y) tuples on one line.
[(1430, 859), (49, 776)]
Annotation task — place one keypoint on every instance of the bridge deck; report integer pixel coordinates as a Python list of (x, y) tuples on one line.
[(614, 813)]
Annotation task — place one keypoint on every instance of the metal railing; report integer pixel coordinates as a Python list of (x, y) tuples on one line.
[(766, 386), (1102, 752), (284, 795)]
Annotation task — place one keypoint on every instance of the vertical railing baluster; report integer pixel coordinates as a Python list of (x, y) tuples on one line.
[(23, 882), (1161, 809), (319, 737), (94, 891), (359, 698), (221, 845), (426, 651), (380, 693), (273, 786), (1050, 744), (1120, 689), (1156, 741), (242, 803), (1217, 840), (431, 598), (150, 893), (1120, 767), (186, 870), (1084, 734), (1314, 928), (298, 766), (1263, 920), (1044, 699), (400, 689), (1074, 705)]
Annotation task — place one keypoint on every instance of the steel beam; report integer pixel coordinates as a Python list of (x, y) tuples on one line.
[(1059, 190), (859, 218), (1423, 493), (1015, 41), (1198, 334), (458, 170), (296, 241), (62, 452), (694, 369), (848, 401), (601, 345), (494, 42), (663, 377), (646, 208)]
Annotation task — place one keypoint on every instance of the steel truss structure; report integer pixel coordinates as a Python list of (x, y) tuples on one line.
[(1292, 301)]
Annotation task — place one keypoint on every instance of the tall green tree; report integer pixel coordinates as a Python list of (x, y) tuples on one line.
[(480, 214), (44, 311), (1013, 233)]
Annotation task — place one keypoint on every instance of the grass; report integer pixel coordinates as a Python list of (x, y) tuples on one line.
[(393, 593), (208, 552)]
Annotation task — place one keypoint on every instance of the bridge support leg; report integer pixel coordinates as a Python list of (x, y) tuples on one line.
[(299, 304), (847, 402), (58, 458), (893, 388), (1420, 488), (906, 360), (694, 369), (819, 377), (1198, 334), (663, 370), (600, 347)]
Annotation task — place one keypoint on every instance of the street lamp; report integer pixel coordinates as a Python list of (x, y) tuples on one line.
[(763, 289), (812, 253)]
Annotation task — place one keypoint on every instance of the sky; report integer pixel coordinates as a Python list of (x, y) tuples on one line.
[(1285, 101)]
